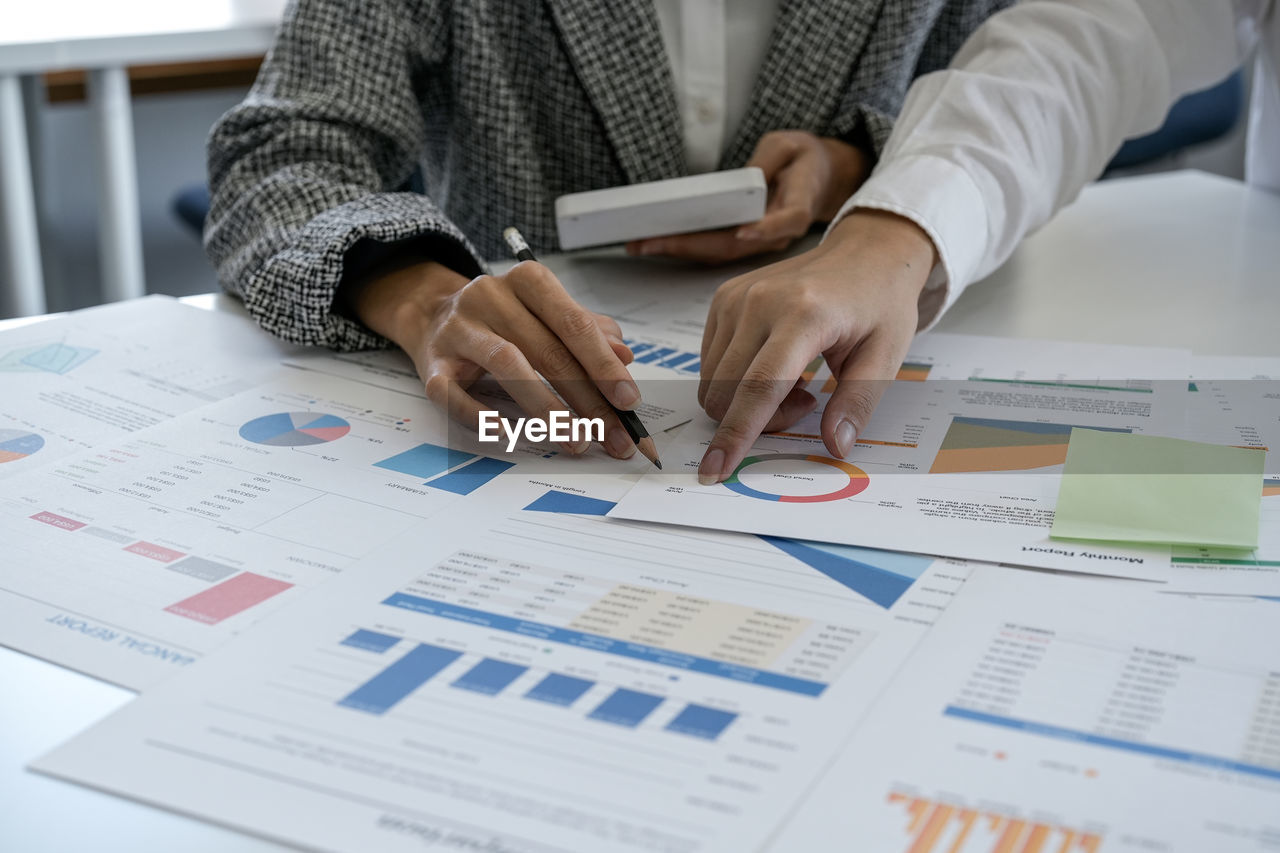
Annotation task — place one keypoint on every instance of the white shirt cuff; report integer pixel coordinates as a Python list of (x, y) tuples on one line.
[(944, 201)]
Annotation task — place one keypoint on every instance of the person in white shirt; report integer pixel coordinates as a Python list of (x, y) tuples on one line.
[(1031, 109)]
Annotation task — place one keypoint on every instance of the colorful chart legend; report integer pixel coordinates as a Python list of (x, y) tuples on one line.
[(973, 445), (294, 429), (18, 444), (798, 473)]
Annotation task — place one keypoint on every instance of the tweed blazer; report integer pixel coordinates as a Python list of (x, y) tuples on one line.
[(502, 105)]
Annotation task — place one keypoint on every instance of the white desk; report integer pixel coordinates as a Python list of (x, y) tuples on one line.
[(104, 38), (1182, 260)]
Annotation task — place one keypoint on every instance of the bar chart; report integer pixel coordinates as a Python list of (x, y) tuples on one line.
[(933, 825), (673, 357), (454, 471), (421, 663), (233, 591)]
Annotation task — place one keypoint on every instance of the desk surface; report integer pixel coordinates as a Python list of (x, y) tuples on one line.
[(1179, 260), (91, 33)]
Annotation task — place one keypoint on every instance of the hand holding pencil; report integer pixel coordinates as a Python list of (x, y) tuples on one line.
[(518, 327), (629, 419)]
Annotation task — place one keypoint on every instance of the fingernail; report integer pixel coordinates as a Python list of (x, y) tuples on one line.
[(619, 444), (649, 249), (747, 234), (709, 470), (846, 433), (626, 395)]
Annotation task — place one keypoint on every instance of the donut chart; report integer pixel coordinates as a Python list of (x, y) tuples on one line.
[(294, 429), (18, 444), (857, 479)]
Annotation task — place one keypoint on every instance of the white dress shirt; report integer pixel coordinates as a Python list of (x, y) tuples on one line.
[(716, 49), (1037, 102)]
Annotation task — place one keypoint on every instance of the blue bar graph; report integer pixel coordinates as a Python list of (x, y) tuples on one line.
[(677, 359), (380, 693), (559, 689), (626, 707), (370, 641), (490, 676), (468, 478), (701, 721), (654, 355), (425, 460), (645, 353)]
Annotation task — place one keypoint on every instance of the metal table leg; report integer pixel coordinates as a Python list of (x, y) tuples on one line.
[(24, 279), (120, 224)]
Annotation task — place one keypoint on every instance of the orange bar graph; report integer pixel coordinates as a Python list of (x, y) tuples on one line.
[(964, 830), (1010, 837), (932, 829), (967, 817), (1036, 838)]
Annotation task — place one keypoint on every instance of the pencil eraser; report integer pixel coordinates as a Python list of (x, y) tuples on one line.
[(660, 208)]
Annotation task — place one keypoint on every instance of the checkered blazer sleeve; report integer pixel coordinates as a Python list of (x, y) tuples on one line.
[(305, 168), (909, 39)]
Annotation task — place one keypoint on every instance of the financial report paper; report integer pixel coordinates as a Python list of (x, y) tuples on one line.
[(1073, 715), (540, 679), (72, 382), (130, 560), (966, 464)]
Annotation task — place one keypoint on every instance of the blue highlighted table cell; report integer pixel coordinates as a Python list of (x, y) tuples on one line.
[(692, 367), (370, 641), (468, 478), (654, 355), (701, 721), (490, 676), (425, 460), (626, 707), (558, 689), (380, 693)]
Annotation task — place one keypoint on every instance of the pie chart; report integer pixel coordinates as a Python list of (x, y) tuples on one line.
[(294, 429), (18, 444), (797, 478)]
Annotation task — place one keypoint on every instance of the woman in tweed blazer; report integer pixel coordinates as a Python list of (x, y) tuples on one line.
[(504, 105)]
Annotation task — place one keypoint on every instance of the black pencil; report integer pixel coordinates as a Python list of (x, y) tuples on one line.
[(630, 420)]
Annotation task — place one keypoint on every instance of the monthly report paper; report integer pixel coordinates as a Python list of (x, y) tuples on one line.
[(130, 560), (1073, 715), (535, 679), (73, 382), (968, 468)]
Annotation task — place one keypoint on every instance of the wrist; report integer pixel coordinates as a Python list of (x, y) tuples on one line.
[(900, 242), (401, 302), (850, 168)]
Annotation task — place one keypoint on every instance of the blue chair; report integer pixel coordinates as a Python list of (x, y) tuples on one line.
[(1198, 118)]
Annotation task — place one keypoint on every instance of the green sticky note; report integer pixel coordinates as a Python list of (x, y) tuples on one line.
[(1120, 487)]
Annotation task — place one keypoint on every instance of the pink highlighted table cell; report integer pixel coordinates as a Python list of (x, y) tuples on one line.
[(59, 521), (228, 598), (155, 552)]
